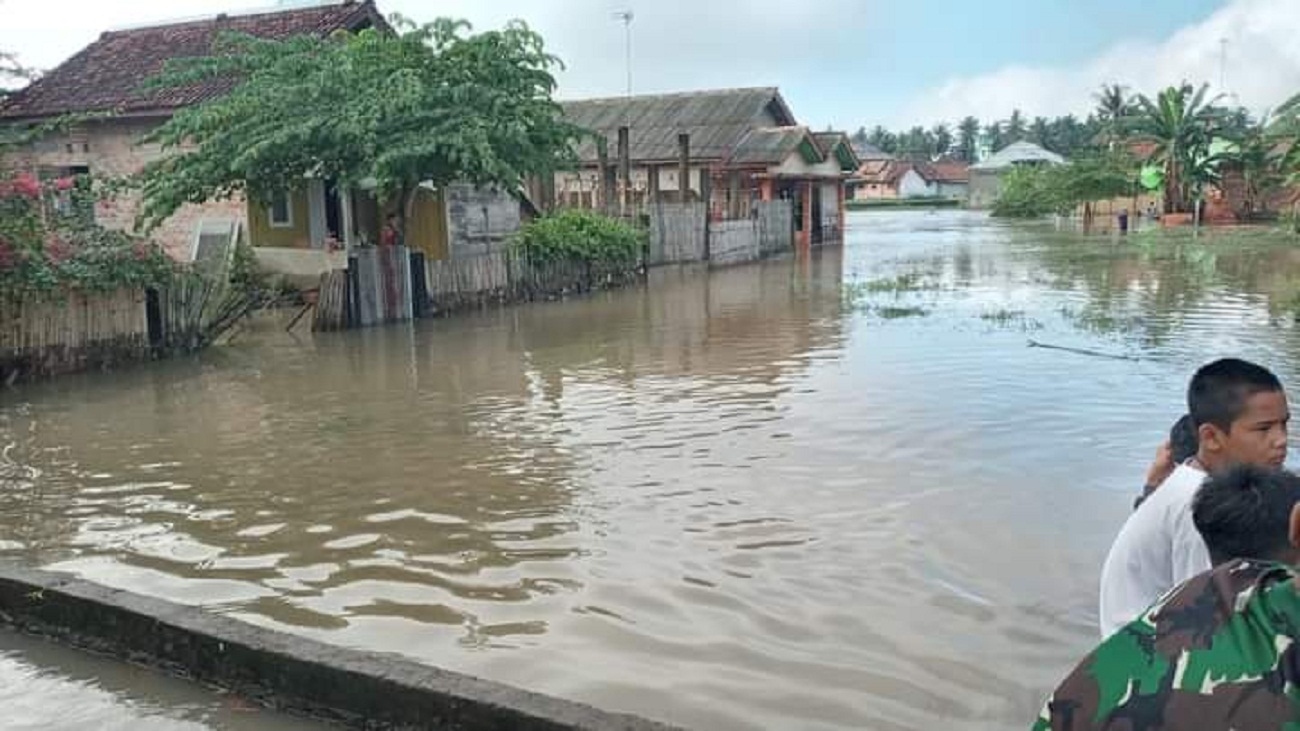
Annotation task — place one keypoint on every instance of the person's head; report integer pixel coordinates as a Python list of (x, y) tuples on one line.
[(1240, 413), (1248, 511), (1182, 439)]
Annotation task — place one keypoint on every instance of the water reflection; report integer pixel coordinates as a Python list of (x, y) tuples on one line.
[(752, 498)]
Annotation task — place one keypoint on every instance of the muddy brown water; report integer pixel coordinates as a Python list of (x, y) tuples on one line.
[(832, 493)]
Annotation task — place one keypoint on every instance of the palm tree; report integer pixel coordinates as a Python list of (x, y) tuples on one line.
[(994, 134), (1113, 106), (968, 133), (942, 139), (1040, 132), (883, 140), (1015, 131), (1181, 124)]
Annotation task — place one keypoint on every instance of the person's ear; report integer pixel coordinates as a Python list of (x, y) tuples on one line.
[(1293, 530), (1210, 437)]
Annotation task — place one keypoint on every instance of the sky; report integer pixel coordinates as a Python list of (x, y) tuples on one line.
[(839, 63)]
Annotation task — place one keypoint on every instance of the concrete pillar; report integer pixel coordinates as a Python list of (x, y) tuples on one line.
[(624, 170), (683, 167), (840, 200), (652, 184), (805, 231), (606, 176), (767, 190)]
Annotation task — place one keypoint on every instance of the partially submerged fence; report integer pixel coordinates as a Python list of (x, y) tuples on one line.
[(70, 331), (390, 284)]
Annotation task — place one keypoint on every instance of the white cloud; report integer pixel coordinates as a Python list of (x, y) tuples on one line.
[(1263, 69)]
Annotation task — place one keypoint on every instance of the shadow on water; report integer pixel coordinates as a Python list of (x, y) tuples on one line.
[(822, 493)]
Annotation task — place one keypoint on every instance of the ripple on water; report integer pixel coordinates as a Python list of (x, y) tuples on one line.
[(731, 499)]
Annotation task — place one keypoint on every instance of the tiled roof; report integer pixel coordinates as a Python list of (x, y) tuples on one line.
[(107, 74), (886, 172), (716, 120), (945, 171)]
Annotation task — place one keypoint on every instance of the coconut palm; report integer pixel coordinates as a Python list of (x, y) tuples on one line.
[(1015, 128), (942, 135), (968, 133), (1182, 124), (1040, 132), (1114, 105)]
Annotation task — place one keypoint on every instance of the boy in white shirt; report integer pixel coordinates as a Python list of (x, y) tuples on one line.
[(1240, 412)]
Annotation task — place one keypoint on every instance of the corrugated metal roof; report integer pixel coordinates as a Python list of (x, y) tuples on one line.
[(1018, 153), (716, 120)]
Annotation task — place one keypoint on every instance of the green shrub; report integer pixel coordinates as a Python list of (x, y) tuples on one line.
[(579, 236)]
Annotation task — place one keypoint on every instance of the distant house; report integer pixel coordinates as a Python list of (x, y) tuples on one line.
[(107, 75), (889, 179), (746, 143), (986, 176)]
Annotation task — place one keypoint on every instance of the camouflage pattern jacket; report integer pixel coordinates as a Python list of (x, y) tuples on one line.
[(1217, 653)]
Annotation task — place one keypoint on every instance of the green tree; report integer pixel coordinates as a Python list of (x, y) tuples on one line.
[(943, 140), (1181, 124), (916, 144), (860, 137), (996, 137), (1114, 106), (968, 133), (1040, 132), (883, 140), (428, 104), (1015, 129)]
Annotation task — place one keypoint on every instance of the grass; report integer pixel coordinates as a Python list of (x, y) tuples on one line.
[(897, 313)]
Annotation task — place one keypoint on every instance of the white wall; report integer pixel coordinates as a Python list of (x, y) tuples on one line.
[(912, 185)]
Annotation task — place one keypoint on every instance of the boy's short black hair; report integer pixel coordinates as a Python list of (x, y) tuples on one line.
[(1218, 392), (1183, 442), (1244, 511)]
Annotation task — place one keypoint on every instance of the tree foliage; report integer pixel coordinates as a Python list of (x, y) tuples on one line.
[(432, 103), (1182, 123), (1032, 191)]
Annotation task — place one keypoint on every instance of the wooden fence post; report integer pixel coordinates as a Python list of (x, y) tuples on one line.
[(683, 167)]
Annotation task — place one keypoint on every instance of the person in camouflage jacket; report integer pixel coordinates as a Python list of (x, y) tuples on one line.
[(1218, 652)]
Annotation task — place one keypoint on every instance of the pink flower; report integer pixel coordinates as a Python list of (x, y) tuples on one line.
[(26, 185), (141, 251), (63, 184)]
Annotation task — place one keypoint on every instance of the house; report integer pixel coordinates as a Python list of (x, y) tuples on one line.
[(107, 75), (744, 145), (950, 178), (986, 176), (889, 179)]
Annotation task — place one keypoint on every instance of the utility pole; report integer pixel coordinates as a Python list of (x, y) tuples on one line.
[(626, 16), (1223, 65)]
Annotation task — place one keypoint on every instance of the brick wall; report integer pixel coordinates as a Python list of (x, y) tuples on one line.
[(110, 149)]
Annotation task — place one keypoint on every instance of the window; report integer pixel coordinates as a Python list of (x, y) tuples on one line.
[(280, 212)]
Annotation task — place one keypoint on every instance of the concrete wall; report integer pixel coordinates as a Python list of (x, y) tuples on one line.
[(583, 183), (677, 232), (984, 188), (952, 190), (479, 220), (349, 687), (109, 149)]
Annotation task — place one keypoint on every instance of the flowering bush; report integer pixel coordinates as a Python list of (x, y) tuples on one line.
[(47, 243)]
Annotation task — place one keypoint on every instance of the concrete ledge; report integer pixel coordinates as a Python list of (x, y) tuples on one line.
[(359, 689)]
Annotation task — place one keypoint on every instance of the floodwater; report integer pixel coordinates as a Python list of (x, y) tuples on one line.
[(822, 494), (47, 687)]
